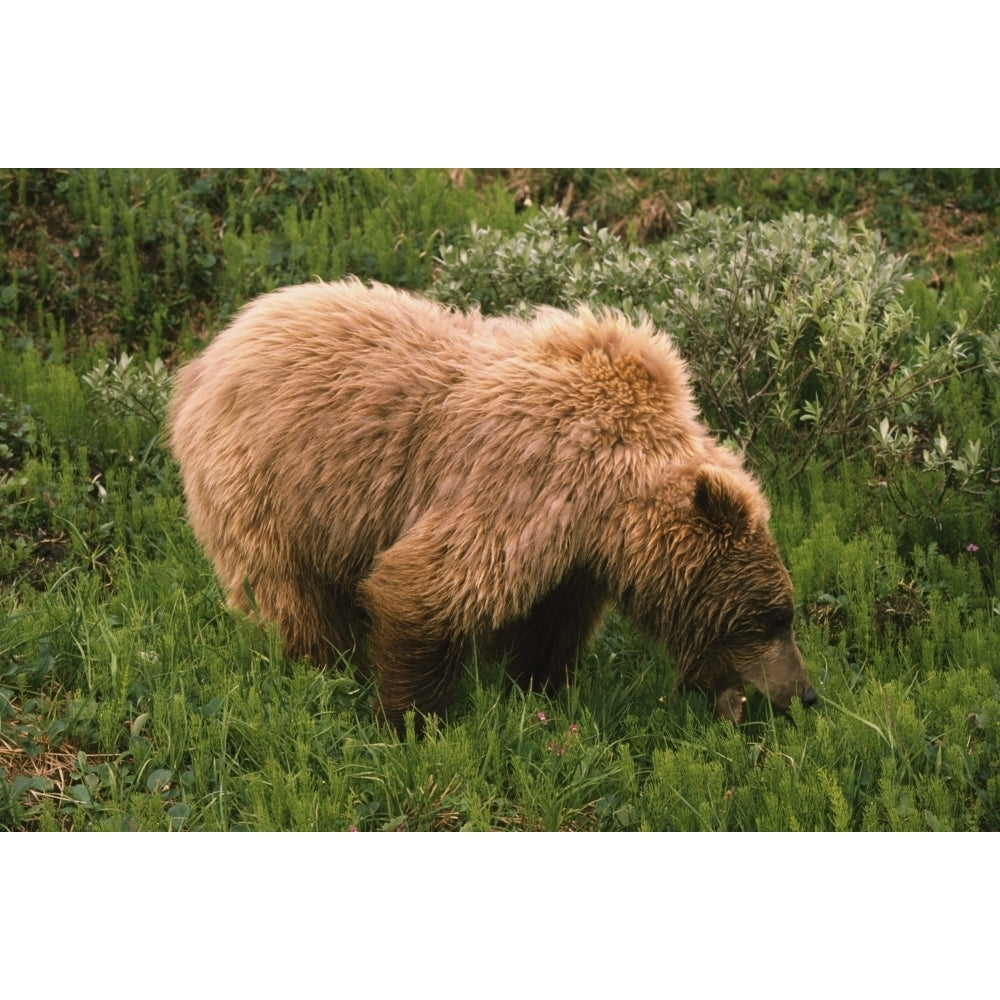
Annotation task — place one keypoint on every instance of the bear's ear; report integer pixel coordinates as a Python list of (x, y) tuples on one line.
[(723, 501)]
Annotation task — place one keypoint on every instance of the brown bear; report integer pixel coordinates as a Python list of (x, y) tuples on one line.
[(382, 476)]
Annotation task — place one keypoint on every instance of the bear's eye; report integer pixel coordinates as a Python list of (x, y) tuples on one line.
[(778, 622)]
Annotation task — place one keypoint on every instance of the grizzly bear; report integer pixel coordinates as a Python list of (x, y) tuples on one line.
[(385, 477)]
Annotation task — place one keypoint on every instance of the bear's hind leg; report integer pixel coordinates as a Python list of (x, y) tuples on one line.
[(326, 630), (317, 621)]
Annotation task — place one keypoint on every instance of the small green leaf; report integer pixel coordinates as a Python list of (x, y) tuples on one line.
[(208, 710), (248, 591), (177, 814), (159, 780), (81, 793)]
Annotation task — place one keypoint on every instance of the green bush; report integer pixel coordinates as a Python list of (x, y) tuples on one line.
[(799, 346), (134, 394), (797, 336)]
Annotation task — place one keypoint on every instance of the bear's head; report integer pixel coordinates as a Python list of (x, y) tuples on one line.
[(720, 597)]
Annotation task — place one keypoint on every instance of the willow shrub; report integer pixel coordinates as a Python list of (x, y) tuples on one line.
[(799, 343)]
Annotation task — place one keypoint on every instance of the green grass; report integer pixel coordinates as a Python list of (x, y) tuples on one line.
[(131, 699)]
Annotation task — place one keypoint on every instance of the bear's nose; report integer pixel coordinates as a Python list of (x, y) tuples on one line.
[(809, 696)]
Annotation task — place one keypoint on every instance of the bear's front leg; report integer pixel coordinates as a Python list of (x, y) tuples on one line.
[(412, 646), (412, 669), (542, 646)]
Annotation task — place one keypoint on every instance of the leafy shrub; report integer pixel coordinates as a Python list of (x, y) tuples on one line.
[(925, 470), (126, 389), (798, 339), (18, 430), (798, 343), (547, 263), (134, 394)]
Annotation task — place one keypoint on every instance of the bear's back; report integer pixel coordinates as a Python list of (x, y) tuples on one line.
[(356, 409), (317, 405)]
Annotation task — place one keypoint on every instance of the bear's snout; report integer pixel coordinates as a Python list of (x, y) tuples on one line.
[(809, 696)]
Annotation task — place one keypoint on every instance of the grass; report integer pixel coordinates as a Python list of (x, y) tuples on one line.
[(131, 699), (134, 700)]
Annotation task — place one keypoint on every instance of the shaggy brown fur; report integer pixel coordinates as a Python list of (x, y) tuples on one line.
[(375, 466)]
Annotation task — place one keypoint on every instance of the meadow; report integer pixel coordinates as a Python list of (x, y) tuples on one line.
[(843, 329)]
